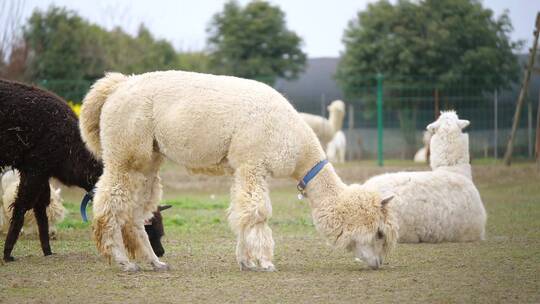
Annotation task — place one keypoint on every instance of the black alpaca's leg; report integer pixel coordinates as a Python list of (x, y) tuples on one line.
[(40, 211), (27, 193), (15, 226)]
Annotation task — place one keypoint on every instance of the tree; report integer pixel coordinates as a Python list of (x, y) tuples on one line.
[(193, 61), (11, 42), (443, 41), (254, 42), (63, 46), (67, 53)]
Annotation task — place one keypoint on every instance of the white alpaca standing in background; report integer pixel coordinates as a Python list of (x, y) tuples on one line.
[(325, 129), (443, 204), (55, 211), (216, 125), (337, 148)]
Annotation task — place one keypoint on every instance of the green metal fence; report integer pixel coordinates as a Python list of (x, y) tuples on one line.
[(402, 107)]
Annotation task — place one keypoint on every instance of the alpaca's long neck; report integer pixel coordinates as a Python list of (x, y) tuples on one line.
[(324, 187), (448, 150), (326, 183), (80, 169), (336, 120)]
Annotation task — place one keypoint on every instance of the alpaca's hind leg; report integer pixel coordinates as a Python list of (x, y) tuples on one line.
[(28, 191), (112, 211), (15, 226), (148, 199), (248, 217), (40, 212)]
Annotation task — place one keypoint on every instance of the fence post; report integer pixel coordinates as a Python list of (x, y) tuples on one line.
[(495, 123), (529, 128), (323, 105), (380, 120), (350, 133)]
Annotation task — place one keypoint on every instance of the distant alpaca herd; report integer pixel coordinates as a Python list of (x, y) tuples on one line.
[(217, 125)]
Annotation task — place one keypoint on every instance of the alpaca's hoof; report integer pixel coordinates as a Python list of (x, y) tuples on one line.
[(270, 268), (47, 252), (160, 266), (267, 266), (247, 266), (9, 259), (130, 267)]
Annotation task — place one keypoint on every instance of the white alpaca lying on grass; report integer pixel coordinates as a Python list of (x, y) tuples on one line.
[(55, 211), (326, 129), (337, 148), (216, 125), (443, 204)]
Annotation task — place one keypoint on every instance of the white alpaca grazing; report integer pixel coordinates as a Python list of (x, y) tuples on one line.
[(216, 125), (55, 211), (337, 148), (442, 204), (325, 129)]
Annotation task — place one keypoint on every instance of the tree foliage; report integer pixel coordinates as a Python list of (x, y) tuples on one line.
[(65, 46), (443, 41), (66, 52), (254, 42)]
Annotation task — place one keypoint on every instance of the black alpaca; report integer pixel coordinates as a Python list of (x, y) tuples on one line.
[(39, 136)]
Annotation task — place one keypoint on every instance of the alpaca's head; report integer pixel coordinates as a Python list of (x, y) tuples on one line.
[(449, 146), (155, 231), (448, 123), (336, 106), (360, 221), (336, 112)]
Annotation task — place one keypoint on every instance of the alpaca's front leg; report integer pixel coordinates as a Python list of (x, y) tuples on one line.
[(111, 207), (248, 217)]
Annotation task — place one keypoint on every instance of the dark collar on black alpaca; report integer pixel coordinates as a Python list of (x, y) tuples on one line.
[(310, 175)]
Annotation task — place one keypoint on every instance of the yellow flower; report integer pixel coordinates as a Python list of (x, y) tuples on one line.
[(76, 107)]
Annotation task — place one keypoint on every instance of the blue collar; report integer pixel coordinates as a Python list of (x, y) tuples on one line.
[(86, 199), (311, 174)]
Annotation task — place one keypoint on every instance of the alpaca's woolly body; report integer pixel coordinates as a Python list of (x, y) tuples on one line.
[(325, 129), (208, 124), (55, 211), (337, 147), (442, 204)]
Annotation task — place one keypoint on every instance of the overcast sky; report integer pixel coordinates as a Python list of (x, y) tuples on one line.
[(319, 22)]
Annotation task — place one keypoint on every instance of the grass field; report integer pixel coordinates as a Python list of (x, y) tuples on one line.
[(200, 249)]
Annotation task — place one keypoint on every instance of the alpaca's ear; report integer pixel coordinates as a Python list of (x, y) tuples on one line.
[(164, 207), (463, 123), (386, 200), (432, 127)]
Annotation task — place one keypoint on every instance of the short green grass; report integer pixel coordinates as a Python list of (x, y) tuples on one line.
[(200, 248)]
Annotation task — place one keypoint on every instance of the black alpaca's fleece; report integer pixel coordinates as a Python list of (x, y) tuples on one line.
[(39, 136)]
